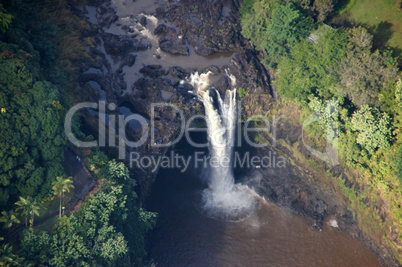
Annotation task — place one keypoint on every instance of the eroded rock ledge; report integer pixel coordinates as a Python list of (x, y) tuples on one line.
[(118, 72)]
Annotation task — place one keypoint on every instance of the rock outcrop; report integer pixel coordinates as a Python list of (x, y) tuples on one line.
[(182, 28)]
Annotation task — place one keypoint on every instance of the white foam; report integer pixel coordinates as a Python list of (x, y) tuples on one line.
[(222, 198), (152, 19), (333, 223)]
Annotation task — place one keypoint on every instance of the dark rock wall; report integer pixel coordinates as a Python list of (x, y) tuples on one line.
[(208, 27)]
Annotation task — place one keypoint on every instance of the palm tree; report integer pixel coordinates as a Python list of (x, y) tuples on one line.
[(28, 206), (60, 186), (24, 205), (34, 210), (8, 218), (7, 257)]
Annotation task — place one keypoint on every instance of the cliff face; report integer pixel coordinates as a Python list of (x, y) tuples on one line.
[(142, 54)]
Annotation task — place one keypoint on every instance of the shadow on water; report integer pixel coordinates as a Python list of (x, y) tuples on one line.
[(183, 234), (270, 235)]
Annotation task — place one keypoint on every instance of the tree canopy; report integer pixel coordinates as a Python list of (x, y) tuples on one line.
[(31, 137), (311, 65), (374, 128), (274, 28)]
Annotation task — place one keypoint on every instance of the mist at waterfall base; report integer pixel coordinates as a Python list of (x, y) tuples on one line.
[(198, 227), (223, 199)]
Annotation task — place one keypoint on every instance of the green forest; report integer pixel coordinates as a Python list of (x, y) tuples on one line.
[(349, 76), (38, 68)]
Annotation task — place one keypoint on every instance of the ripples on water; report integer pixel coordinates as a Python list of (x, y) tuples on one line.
[(269, 236)]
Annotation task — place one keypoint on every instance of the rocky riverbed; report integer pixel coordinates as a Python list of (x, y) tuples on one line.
[(142, 52)]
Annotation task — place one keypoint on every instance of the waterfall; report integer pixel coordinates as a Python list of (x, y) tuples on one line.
[(223, 198)]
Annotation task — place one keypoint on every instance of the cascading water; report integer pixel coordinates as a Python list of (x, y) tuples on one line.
[(223, 198)]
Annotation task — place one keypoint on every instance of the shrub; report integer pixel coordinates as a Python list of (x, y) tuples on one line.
[(374, 128)]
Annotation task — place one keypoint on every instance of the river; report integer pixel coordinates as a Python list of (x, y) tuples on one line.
[(184, 235), (270, 236)]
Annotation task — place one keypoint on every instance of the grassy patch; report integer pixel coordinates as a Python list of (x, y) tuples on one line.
[(48, 225), (52, 205), (383, 18)]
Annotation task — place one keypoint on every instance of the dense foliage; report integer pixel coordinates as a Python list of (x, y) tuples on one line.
[(363, 73), (279, 29), (311, 66), (374, 129), (32, 107), (38, 68), (88, 238), (335, 73)]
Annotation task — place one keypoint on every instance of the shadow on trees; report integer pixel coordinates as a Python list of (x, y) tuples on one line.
[(382, 33), (340, 5)]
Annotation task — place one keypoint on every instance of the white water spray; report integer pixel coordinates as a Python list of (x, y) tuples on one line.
[(223, 198)]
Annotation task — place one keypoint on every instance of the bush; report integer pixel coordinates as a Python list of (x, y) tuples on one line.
[(374, 128), (398, 93), (328, 113), (242, 92), (397, 162)]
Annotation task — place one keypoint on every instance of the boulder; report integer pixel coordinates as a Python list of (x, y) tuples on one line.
[(153, 71), (174, 47)]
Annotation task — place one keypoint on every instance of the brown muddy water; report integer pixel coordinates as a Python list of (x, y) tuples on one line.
[(184, 236), (270, 236), (129, 14)]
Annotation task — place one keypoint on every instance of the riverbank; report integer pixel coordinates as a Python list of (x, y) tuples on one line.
[(175, 33), (271, 235)]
